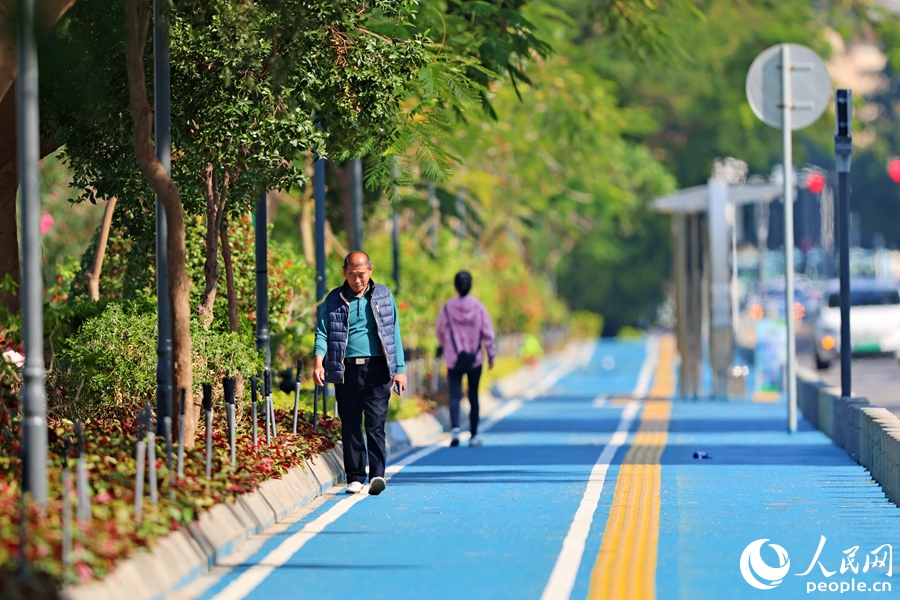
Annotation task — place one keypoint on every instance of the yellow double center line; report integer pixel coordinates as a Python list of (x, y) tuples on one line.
[(626, 564)]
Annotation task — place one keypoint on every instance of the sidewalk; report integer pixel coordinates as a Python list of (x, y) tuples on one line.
[(583, 491)]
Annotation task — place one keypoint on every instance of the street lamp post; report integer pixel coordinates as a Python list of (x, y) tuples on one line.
[(162, 124), (319, 195), (262, 278), (34, 395), (843, 150)]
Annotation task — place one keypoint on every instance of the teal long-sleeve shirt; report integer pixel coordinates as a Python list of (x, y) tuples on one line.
[(363, 332)]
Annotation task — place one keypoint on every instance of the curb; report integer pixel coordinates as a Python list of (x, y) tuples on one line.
[(180, 557), (869, 434), (183, 555)]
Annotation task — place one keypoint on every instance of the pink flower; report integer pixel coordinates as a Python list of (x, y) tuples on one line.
[(14, 357), (46, 223)]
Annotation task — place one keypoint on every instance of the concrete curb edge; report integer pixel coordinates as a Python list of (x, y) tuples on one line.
[(870, 435), (180, 557)]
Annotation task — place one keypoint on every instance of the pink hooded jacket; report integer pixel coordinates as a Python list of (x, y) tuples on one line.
[(471, 325)]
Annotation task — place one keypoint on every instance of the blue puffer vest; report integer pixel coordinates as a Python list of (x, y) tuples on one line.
[(337, 309)]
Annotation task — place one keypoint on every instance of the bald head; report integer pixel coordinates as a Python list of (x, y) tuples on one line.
[(358, 271), (357, 258)]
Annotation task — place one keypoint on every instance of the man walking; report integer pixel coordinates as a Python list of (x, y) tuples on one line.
[(463, 325), (358, 349)]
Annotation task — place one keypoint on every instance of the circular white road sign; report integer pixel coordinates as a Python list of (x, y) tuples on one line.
[(809, 82)]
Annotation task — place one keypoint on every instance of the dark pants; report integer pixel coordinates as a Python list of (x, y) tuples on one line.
[(366, 391), (454, 378)]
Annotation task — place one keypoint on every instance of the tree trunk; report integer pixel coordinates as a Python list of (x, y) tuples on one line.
[(93, 276), (211, 266), (9, 240), (215, 213), (306, 220), (231, 292), (344, 179), (47, 13), (332, 243), (137, 19), (229, 280), (9, 185)]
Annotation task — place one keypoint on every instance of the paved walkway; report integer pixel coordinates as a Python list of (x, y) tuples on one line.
[(585, 492)]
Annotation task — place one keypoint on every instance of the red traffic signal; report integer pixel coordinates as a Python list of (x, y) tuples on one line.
[(815, 183), (894, 169)]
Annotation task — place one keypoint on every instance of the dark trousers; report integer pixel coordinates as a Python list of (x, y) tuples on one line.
[(366, 391), (454, 378)]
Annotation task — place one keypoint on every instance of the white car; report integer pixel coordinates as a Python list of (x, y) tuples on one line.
[(874, 320)]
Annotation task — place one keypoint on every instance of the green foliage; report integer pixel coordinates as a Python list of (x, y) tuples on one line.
[(109, 365), (128, 274), (586, 324), (561, 174), (250, 82), (516, 299), (630, 333)]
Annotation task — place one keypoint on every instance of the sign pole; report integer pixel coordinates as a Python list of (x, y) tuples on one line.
[(787, 143)]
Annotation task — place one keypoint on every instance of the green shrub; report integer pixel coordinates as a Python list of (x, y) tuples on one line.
[(630, 333), (585, 324), (109, 366)]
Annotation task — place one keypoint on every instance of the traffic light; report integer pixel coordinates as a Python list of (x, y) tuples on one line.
[(815, 182), (894, 169)]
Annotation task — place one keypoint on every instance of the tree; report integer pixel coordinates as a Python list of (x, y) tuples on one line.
[(48, 12), (137, 21), (251, 82)]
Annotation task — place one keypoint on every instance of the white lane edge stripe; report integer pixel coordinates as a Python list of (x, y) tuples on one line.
[(562, 578), (250, 579), (565, 571)]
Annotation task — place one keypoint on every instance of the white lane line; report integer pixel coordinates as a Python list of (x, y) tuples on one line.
[(566, 568), (562, 578), (255, 575)]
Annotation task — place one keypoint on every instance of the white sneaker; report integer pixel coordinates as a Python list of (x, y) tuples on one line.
[(355, 487), (454, 437), (376, 486), (475, 441)]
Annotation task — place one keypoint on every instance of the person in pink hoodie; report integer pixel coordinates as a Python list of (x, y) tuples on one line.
[(463, 327)]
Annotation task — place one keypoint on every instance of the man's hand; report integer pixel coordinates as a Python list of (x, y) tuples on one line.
[(490, 362), (319, 372), (399, 382)]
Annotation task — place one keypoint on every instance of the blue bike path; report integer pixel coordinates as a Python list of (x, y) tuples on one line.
[(507, 520)]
